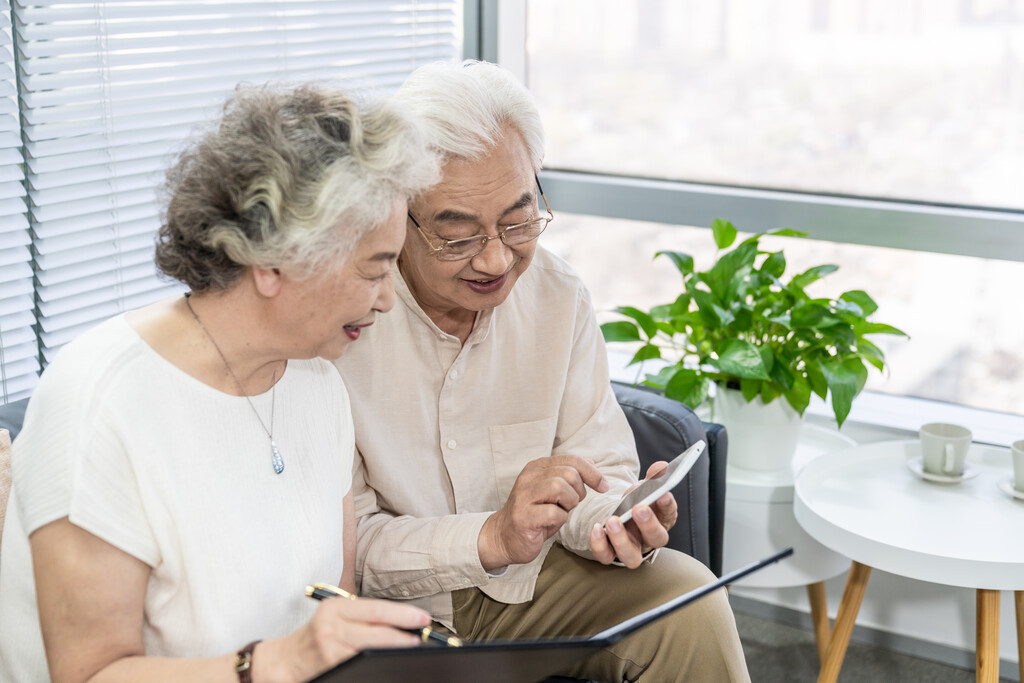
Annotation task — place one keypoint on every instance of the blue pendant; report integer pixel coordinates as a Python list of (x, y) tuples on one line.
[(276, 458)]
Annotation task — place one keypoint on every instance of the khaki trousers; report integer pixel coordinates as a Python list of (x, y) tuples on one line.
[(574, 596)]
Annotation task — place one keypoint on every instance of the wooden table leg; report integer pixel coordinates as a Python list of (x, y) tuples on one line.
[(1018, 599), (856, 583), (819, 616), (987, 647)]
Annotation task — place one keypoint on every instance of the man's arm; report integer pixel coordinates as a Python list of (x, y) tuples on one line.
[(407, 557), (592, 425)]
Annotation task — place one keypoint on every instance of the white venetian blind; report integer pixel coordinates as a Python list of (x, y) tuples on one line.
[(18, 351), (110, 89)]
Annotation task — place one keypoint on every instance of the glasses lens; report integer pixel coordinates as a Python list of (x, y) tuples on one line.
[(461, 249), (524, 232)]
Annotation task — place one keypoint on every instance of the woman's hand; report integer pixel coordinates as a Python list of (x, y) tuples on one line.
[(339, 629), (91, 607)]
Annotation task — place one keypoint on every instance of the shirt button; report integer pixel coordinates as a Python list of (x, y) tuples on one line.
[(451, 443), (405, 593), (454, 374), (441, 336)]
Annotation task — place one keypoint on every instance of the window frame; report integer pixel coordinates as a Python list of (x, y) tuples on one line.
[(915, 226)]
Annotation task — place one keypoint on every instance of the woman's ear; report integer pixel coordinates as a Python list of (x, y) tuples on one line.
[(267, 281)]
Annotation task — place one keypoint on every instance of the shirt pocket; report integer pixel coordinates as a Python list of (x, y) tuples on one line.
[(514, 445)]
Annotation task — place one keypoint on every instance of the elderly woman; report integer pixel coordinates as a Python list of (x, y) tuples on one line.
[(169, 506)]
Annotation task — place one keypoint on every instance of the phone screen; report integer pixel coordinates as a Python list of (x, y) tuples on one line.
[(651, 489)]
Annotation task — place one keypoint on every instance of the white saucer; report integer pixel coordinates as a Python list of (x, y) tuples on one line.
[(914, 464), (1006, 486)]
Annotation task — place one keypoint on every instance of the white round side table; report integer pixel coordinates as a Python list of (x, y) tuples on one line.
[(759, 521), (866, 503)]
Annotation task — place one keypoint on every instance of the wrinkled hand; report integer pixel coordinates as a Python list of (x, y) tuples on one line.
[(648, 529), (539, 504), (339, 629)]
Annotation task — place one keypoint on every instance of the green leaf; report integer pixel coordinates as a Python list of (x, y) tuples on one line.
[(646, 352), (816, 378), (724, 232), (769, 392), (730, 267), (620, 331), (812, 274), (774, 265), (813, 316), (710, 313), (741, 359), (861, 298), (684, 262), (799, 395), (844, 384), (877, 328), (687, 386), (781, 375), (871, 354), (750, 388), (643, 319), (786, 232), (659, 379)]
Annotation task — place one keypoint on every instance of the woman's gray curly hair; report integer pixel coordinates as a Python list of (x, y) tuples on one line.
[(289, 178)]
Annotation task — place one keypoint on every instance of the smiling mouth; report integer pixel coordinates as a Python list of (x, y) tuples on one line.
[(353, 330), (487, 286)]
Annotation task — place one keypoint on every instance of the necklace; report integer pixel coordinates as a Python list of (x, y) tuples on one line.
[(275, 453)]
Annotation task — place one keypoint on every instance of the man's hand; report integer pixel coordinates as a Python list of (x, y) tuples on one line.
[(647, 530), (539, 504)]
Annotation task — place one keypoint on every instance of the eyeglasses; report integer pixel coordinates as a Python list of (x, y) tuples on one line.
[(510, 235)]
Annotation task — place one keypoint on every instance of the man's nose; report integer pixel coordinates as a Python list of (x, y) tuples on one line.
[(495, 259)]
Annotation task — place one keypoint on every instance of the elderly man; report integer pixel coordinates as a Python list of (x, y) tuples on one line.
[(491, 450)]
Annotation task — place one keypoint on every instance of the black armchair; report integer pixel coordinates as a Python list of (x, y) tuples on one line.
[(663, 428)]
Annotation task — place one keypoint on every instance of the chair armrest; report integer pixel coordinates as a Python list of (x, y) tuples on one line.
[(663, 428), (12, 415), (718, 451)]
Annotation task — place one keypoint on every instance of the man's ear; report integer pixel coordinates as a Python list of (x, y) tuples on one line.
[(267, 280)]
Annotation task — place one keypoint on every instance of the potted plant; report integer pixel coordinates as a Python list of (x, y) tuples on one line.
[(760, 339)]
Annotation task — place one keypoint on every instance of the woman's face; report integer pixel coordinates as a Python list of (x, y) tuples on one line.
[(327, 313)]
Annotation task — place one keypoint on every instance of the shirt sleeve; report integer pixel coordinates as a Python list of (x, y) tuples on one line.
[(407, 557), (68, 462), (592, 425)]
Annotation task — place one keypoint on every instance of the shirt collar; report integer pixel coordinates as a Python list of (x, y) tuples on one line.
[(481, 329)]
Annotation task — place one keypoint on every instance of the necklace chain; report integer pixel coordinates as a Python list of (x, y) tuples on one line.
[(276, 459)]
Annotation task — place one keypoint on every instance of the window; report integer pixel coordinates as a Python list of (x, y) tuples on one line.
[(109, 90), (18, 361), (884, 124)]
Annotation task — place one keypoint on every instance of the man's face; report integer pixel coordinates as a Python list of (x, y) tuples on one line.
[(476, 197)]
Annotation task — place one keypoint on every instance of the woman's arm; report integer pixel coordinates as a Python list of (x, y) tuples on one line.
[(91, 607)]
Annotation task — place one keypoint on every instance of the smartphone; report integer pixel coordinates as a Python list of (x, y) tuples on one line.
[(651, 490)]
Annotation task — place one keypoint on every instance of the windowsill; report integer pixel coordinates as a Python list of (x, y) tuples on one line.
[(872, 409)]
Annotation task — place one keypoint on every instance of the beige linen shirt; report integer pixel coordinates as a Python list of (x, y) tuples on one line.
[(443, 430)]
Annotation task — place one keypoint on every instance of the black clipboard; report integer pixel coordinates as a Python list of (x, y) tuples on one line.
[(510, 661)]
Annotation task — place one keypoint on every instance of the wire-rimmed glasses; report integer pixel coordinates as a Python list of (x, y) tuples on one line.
[(510, 235)]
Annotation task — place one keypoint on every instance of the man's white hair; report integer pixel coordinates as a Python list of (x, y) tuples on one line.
[(465, 106)]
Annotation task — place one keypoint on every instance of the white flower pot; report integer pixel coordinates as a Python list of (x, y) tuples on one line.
[(761, 437)]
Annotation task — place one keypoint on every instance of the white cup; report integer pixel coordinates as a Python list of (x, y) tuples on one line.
[(1017, 448), (944, 448)]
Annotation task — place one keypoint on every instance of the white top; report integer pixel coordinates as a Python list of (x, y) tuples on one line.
[(461, 423), (867, 504), (179, 475)]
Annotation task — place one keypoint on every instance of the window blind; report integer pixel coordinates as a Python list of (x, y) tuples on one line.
[(18, 351), (109, 90)]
